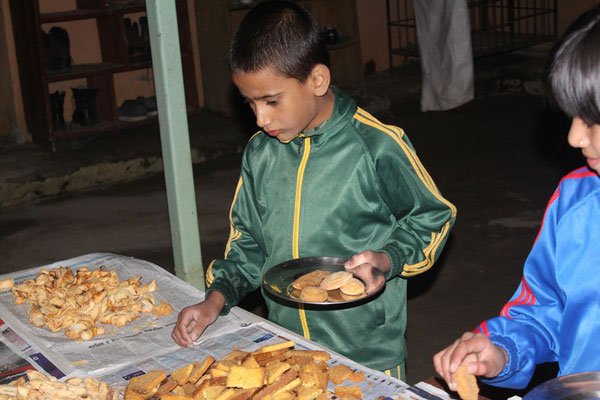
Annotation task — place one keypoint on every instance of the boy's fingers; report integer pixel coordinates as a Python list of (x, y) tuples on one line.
[(185, 323), (371, 276), (359, 259), (196, 332), (374, 284), (176, 335)]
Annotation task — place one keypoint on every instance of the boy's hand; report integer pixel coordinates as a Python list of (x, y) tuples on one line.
[(370, 267), (482, 357), (193, 320)]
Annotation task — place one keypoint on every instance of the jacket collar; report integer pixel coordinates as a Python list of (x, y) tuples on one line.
[(344, 108)]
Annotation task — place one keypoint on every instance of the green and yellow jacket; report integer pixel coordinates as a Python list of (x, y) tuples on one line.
[(349, 185)]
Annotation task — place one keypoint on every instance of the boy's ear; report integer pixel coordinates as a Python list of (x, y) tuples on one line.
[(320, 78)]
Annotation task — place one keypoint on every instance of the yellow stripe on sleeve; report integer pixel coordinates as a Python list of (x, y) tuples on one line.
[(234, 234), (397, 134), (209, 278)]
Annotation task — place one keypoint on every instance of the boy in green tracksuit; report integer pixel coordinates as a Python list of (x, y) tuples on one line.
[(322, 178)]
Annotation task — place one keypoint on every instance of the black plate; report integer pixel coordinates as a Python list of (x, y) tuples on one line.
[(278, 279)]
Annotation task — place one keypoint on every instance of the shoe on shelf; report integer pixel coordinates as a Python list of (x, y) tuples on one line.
[(57, 47), (57, 100), (132, 33), (132, 110), (85, 106), (145, 39), (149, 104)]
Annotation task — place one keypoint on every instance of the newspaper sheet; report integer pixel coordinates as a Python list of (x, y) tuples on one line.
[(251, 336), (145, 344), (145, 335)]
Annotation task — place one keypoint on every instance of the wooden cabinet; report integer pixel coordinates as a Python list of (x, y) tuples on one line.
[(109, 32), (219, 19)]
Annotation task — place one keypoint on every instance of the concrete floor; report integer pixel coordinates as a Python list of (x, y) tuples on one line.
[(498, 159)]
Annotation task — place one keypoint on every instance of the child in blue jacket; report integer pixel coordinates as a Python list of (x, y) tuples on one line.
[(555, 313)]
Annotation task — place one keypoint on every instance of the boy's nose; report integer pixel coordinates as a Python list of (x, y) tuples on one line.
[(579, 133), (262, 117)]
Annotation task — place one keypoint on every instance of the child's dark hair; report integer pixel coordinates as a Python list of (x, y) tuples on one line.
[(573, 72), (280, 35)]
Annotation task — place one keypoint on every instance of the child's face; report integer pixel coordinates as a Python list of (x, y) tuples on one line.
[(588, 139), (283, 106)]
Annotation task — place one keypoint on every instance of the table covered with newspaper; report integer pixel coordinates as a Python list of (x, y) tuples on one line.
[(145, 343)]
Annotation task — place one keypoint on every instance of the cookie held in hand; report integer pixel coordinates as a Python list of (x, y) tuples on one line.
[(466, 384)]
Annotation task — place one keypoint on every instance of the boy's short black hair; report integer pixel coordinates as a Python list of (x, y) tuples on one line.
[(280, 35), (573, 72)]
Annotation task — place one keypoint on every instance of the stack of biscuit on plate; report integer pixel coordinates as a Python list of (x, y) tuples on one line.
[(322, 286)]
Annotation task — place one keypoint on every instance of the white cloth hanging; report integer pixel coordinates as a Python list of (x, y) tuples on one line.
[(444, 40)]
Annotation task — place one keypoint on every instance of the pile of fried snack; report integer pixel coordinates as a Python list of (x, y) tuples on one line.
[(38, 386), (275, 372), (324, 286), (77, 303)]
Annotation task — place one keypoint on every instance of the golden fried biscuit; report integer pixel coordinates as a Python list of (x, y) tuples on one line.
[(182, 375), (274, 347), (308, 392), (166, 386), (466, 384), (353, 287), (339, 373), (357, 376), (313, 293), (7, 283), (246, 378), (347, 297), (317, 355), (145, 383), (334, 296), (162, 309), (311, 279), (336, 280), (341, 391)]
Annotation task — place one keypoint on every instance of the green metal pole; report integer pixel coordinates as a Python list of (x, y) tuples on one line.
[(173, 123)]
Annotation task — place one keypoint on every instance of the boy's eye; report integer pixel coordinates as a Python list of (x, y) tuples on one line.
[(271, 102)]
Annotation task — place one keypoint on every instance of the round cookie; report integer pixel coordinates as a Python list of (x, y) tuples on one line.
[(353, 287), (347, 297), (336, 280), (313, 278), (334, 296), (313, 294)]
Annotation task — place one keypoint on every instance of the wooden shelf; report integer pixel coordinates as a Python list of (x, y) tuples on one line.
[(88, 70), (114, 56), (89, 13)]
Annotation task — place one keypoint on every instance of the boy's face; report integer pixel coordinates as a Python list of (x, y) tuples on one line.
[(588, 139), (283, 106)]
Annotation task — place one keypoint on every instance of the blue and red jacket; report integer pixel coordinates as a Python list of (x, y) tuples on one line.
[(555, 313)]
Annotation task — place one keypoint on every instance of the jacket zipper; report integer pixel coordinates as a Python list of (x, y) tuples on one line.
[(296, 227), (300, 144)]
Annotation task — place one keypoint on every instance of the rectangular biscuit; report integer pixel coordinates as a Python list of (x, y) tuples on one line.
[(246, 378), (278, 346), (317, 355)]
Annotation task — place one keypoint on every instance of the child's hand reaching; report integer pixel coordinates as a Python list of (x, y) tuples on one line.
[(193, 320), (476, 351), (369, 266)]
